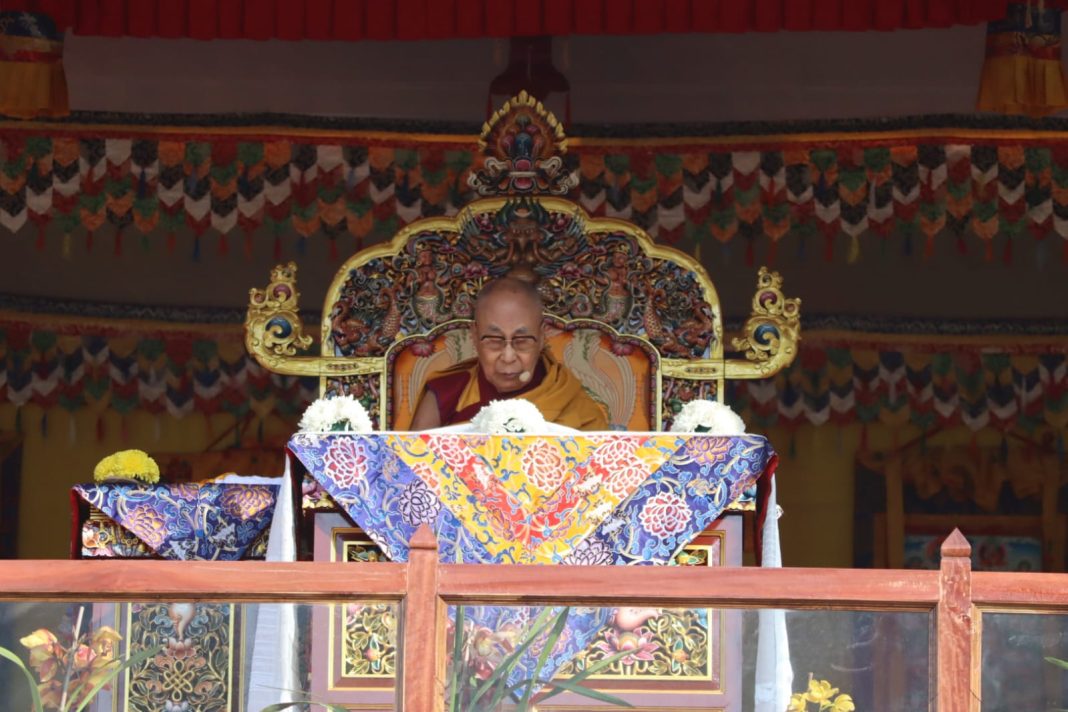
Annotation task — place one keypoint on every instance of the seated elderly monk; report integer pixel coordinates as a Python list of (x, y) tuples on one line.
[(511, 363)]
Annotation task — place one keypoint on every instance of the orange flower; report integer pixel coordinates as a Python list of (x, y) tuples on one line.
[(83, 657), (104, 642), (43, 646)]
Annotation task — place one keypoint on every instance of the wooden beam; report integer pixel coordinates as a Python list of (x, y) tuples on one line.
[(680, 587), (1022, 591), (171, 581)]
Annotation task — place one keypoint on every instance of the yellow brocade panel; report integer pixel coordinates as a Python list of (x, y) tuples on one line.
[(535, 500)]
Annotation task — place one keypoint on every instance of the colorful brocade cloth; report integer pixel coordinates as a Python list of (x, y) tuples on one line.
[(189, 521), (606, 498), (628, 498)]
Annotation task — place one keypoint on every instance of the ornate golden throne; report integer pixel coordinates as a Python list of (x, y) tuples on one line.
[(640, 324)]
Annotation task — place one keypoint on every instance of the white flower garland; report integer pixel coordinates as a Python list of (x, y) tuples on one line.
[(706, 416), (508, 416), (338, 414)]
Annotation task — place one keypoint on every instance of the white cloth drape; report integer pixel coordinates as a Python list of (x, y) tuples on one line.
[(774, 672), (273, 674)]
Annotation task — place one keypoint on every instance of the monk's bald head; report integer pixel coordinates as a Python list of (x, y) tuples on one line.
[(510, 289)]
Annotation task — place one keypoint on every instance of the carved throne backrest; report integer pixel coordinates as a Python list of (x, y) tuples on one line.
[(606, 272)]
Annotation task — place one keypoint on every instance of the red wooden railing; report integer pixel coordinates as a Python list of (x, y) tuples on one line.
[(955, 593)]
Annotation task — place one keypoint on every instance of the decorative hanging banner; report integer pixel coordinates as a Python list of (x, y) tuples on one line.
[(73, 363), (923, 380), (937, 185), (913, 377), (1022, 72), (32, 81)]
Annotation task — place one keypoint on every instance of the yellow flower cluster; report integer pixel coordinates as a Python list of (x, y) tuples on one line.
[(129, 465), (821, 692)]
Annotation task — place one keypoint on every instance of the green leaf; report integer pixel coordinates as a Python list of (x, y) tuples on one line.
[(1058, 662), (571, 686), (457, 658), (34, 692), (135, 659), (506, 666), (591, 670), (546, 650)]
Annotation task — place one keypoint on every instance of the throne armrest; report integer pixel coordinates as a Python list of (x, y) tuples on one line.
[(771, 333), (274, 333)]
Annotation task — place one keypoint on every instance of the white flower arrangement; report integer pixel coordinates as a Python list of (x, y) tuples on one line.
[(509, 416), (706, 416), (337, 414)]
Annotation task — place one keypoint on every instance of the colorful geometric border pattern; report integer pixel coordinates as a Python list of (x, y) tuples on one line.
[(931, 179), (1002, 382), (74, 364), (923, 374)]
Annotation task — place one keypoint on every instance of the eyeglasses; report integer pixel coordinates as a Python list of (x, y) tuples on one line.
[(521, 344)]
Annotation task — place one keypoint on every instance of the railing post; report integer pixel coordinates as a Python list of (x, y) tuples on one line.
[(422, 667), (955, 626)]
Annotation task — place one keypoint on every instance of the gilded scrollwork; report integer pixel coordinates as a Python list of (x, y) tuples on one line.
[(522, 144), (274, 333), (771, 333), (273, 330)]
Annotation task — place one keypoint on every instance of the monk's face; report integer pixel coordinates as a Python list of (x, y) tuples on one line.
[(508, 337)]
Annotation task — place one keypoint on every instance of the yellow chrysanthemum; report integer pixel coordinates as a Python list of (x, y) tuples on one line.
[(127, 465), (820, 691), (843, 703)]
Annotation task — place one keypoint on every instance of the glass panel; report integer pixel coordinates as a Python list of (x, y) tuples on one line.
[(204, 657), (1016, 672), (681, 659), (881, 659)]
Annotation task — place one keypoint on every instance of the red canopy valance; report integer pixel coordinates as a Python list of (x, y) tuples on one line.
[(441, 19)]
